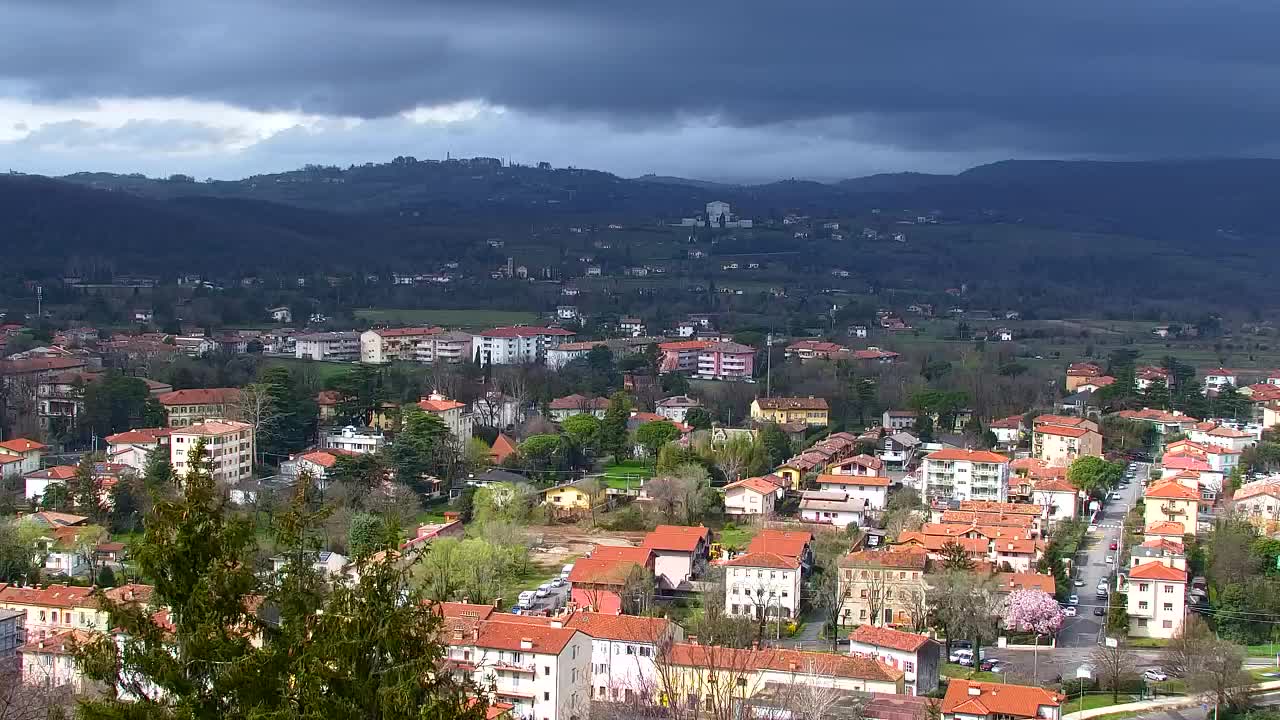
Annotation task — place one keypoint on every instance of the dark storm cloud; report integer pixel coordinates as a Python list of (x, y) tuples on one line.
[(1103, 78)]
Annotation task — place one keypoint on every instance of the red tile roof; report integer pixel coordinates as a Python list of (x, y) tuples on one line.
[(200, 396), (935, 543), (601, 571), (888, 637), (578, 402), (22, 445), (789, 543), (1171, 490), (991, 506), (1008, 582), (524, 331), (638, 555), (1072, 432), (676, 538), (513, 636), (980, 456), (1054, 485), (56, 472), (408, 331), (1165, 527), (884, 558), (61, 644), (765, 560), (755, 484), (626, 628), (1010, 423), (139, 436), (685, 345), (502, 448), (797, 661), (441, 405), (864, 480), (1184, 462), (792, 403), (983, 698), (50, 596), (1157, 571)]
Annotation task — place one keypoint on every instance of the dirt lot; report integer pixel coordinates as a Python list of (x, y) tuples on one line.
[(555, 545)]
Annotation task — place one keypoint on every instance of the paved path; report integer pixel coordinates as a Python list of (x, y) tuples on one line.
[(1165, 707)]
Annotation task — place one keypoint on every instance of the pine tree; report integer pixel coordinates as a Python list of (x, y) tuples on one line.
[(613, 430), (86, 488)]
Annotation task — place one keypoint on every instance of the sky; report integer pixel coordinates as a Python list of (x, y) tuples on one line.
[(741, 90)]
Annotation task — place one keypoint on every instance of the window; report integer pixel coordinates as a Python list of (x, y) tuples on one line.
[(1168, 588), (546, 669), (546, 695), (1168, 607), (646, 651), (1142, 604), (1142, 622), (742, 682), (1143, 587), (631, 649), (1168, 624)]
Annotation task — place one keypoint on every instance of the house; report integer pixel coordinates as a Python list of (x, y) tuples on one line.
[(783, 410), (54, 609), (10, 465), (64, 547), (787, 543), (919, 657), (280, 314), (898, 450), (705, 670), (13, 635), (450, 347), (1059, 498), (1211, 433), (752, 496), (872, 489), (1172, 501), (632, 326), (567, 313), (503, 447), (1147, 375), (1166, 423), (330, 346), (1220, 459), (131, 447), (836, 508), (675, 408), (349, 438), (194, 345), (386, 345), (49, 662), (1219, 379), (677, 550), (1259, 501), (813, 349), (565, 353), (1059, 440), (762, 585), (1156, 595), (972, 700), (317, 464), (1094, 384), (517, 345), (857, 331), (570, 405), (882, 587), (188, 407), (537, 665), (454, 414), (566, 499), (596, 582), (228, 444), (1080, 373), (955, 474), (1008, 431), (624, 650), (497, 410), (325, 563), (38, 482), (893, 420)]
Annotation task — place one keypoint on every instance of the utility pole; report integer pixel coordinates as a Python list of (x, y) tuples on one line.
[(39, 301), (768, 362)]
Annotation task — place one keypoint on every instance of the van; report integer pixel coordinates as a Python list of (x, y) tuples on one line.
[(564, 571), (525, 599)]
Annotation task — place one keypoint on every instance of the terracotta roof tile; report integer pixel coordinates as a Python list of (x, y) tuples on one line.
[(884, 558), (1171, 490), (984, 698), (765, 560), (200, 396), (788, 543), (626, 628), (799, 661), (1157, 571), (888, 637), (792, 403), (956, 454), (862, 480), (22, 445)]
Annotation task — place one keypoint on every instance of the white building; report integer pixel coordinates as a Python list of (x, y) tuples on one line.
[(632, 326), (454, 414), (450, 347), (960, 475), (752, 496), (917, 656), (228, 445), (516, 345), (50, 662), (353, 439), (675, 408), (623, 651), (386, 345), (832, 508), (327, 346), (1059, 498), (1156, 596), (498, 410), (131, 447), (325, 563), (27, 452), (565, 353), (37, 483), (762, 584)]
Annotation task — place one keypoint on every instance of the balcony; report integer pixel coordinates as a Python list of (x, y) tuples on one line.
[(513, 667), (1172, 510)]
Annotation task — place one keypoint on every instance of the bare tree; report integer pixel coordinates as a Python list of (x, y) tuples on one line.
[(810, 695), (1184, 653), (708, 681), (515, 384), (1113, 664), (257, 407), (830, 595), (872, 592), (733, 457), (19, 701), (1219, 675), (917, 605)]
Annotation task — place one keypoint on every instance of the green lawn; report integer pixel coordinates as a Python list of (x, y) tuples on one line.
[(1268, 650), (626, 475), (1149, 642), (323, 370), (474, 319), (1093, 700), (732, 536), (954, 670)]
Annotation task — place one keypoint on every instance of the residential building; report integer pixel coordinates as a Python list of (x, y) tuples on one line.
[(959, 475), (1259, 501), (539, 666), (27, 452), (1059, 498), (353, 439), (755, 496), (1172, 501), (782, 410), (871, 489), (450, 347), (725, 361), (566, 407), (1156, 596), (1080, 373), (1008, 431), (632, 326), (317, 464), (566, 353), (131, 447), (13, 635), (762, 585), (333, 346), (677, 553), (675, 408), (517, 345), (787, 543), (837, 508), (1211, 433), (972, 700), (566, 499), (49, 662), (882, 587), (681, 356), (1219, 379), (10, 465), (1166, 423), (814, 349), (386, 345), (898, 450), (1059, 440), (188, 407), (54, 609), (893, 420), (597, 581), (706, 670), (228, 444), (454, 414), (918, 657), (1220, 459), (37, 483), (624, 650), (498, 410)]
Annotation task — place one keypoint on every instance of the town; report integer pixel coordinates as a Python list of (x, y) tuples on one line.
[(655, 518)]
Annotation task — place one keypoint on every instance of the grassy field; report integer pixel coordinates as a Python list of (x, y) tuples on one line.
[(1149, 642), (954, 670), (324, 370), (472, 319), (1263, 650), (626, 475), (732, 536)]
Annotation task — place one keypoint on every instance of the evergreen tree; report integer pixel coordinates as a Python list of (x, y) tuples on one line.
[(776, 444), (420, 447), (613, 430), (157, 473), (86, 488)]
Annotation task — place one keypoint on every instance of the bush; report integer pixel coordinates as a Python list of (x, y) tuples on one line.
[(1075, 686), (628, 518)]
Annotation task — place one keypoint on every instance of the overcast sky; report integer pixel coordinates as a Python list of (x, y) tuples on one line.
[(717, 89)]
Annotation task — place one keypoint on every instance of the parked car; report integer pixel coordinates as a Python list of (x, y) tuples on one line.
[(1069, 611), (1099, 611), (991, 666), (564, 571), (1074, 599), (525, 599), (1079, 582), (1155, 675), (543, 590), (1110, 559), (557, 582), (1114, 546), (960, 655)]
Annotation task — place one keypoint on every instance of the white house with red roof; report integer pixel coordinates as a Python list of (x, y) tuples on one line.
[(624, 650), (836, 508), (917, 656), (972, 700), (455, 415), (1211, 433), (1219, 378), (517, 345), (1221, 459), (1008, 431), (954, 474), (28, 453), (1156, 599), (752, 496), (37, 483), (762, 584), (677, 550), (1259, 501), (132, 446), (1059, 498), (874, 489)]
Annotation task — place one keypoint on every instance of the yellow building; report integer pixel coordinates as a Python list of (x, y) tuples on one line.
[(568, 497), (1169, 501), (58, 608), (810, 410)]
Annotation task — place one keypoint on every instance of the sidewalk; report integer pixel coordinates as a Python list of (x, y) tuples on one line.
[(1157, 704)]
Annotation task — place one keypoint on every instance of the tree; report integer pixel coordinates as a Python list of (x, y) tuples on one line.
[(157, 473), (86, 486), (367, 534), (1183, 654), (420, 448), (106, 577), (698, 418), (1033, 611), (776, 444), (15, 552), (613, 431), (653, 435), (114, 403), (734, 456), (1113, 664), (1218, 673), (583, 429), (955, 557), (256, 406), (1093, 475)]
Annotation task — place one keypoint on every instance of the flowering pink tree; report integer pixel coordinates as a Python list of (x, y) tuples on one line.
[(1033, 611)]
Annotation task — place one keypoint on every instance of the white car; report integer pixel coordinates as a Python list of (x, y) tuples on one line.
[(1074, 599), (962, 654), (1079, 582), (1110, 560), (1093, 528), (543, 590), (1155, 675), (525, 599), (1069, 611)]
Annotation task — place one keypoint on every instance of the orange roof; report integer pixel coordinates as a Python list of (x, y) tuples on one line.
[(981, 456), (1008, 582), (638, 555), (326, 458), (685, 345), (789, 543), (991, 506), (1157, 571), (676, 538), (765, 560), (601, 571), (1184, 462), (1054, 485), (50, 596), (864, 480), (60, 644), (141, 436), (626, 628), (328, 397), (985, 698), (755, 484), (408, 331), (502, 448), (1269, 487), (514, 636), (1165, 527), (884, 558), (797, 661), (441, 405), (1226, 432), (213, 427), (6, 458), (579, 402), (200, 396), (888, 637), (1059, 430), (1171, 490), (57, 472), (463, 610), (1020, 546), (1060, 420), (22, 445), (792, 403), (935, 543), (1165, 544), (988, 518)]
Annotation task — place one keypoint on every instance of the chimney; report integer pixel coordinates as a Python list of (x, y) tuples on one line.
[(975, 690), (526, 643), (557, 623), (692, 639), (457, 635)]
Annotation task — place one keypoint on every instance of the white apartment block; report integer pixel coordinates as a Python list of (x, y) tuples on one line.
[(960, 475), (229, 445), (353, 439), (623, 652), (516, 345), (762, 583), (327, 346), (1157, 599), (450, 347), (386, 345)]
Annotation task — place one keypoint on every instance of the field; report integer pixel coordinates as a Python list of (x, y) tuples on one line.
[(471, 319), (626, 475), (323, 370)]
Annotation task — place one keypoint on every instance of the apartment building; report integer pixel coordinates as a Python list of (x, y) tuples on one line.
[(565, 353), (455, 415), (712, 676), (784, 410), (53, 609), (353, 439), (1219, 458), (228, 444), (918, 656), (959, 475), (1059, 440), (726, 361), (881, 587), (450, 347), (972, 700), (188, 407), (874, 489), (623, 653), (1171, 501), (681, 356), (1156, 599), (1259, 501), (335, 346), (49, 662), (762, 584), (677, 407), (12, 636), (384, 345), (516, 345), (537, 665)]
